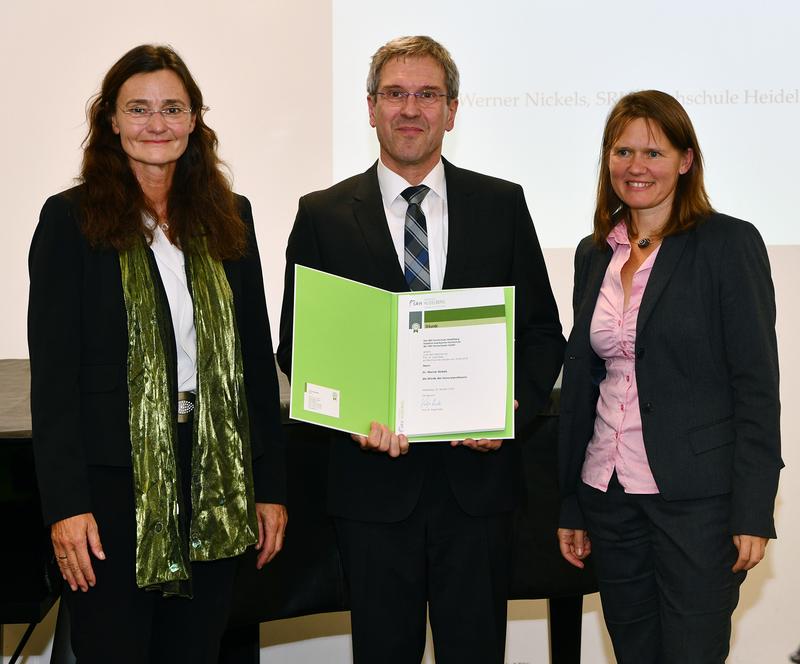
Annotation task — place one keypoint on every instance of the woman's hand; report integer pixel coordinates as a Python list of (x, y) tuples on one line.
[(575, 545), (272, 520), (70, 537), (751, 551)]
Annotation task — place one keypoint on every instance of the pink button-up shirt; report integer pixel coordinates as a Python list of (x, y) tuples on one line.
[(617, 441)]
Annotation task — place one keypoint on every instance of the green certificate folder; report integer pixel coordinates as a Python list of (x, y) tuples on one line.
[(436, 365)]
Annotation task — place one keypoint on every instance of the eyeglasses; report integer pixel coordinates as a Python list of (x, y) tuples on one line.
[(173, 115), (399, 97)]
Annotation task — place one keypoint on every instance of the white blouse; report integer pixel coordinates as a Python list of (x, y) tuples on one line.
[(171, 267)]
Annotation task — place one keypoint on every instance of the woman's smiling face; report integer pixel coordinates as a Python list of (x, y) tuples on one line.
[(645, 167)]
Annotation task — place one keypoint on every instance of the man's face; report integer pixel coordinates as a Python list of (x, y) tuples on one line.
[(411, 133)]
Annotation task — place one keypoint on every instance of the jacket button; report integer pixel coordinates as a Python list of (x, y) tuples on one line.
[(647, 407), (639, 353)]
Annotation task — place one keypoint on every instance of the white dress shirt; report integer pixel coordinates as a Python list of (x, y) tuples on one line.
[(434, 207), (170, 262)]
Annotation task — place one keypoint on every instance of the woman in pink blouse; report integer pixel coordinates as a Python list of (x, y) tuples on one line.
[(669, 443)]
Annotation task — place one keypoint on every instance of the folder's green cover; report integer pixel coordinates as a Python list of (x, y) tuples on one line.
[(345, 352)]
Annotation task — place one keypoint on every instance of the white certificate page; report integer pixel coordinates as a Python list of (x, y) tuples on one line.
[(451, 362)]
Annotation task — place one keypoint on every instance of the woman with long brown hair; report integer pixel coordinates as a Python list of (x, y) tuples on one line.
[(669, 445), (154, 395)]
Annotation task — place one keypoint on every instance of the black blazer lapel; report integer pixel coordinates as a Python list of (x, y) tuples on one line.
[(371, 218), (666, 261), (589, 290), (462, 231)]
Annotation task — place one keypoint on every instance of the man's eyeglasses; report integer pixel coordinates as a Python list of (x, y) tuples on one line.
[(399, 97), (173, 115)]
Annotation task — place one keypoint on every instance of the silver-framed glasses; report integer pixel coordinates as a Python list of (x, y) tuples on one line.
[(398, 96), (173, 114)]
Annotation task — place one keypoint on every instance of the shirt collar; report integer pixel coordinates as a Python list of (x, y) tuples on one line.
[(618, 235), (148, 221), (392, 184)]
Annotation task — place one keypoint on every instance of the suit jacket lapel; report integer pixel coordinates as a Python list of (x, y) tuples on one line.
[(461, 226), (371, 218), (668, 257)]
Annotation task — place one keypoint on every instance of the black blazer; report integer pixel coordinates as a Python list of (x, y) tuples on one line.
[(491, 242), (706, 369), (78, 340)]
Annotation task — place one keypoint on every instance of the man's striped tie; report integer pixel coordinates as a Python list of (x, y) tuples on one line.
[(417, 265)]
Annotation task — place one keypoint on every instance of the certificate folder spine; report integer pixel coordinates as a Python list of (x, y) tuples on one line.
[(392, 396)]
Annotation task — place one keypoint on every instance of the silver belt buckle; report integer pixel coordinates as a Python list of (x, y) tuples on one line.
[(185, 406)]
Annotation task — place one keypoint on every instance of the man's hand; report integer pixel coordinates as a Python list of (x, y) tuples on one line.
[(575, 545), (484, 444), (381, 439), (751, 551), (272, 520), (70, 537)]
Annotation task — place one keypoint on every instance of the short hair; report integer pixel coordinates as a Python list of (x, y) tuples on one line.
[(413, 47), (201, 201), (691, 203)]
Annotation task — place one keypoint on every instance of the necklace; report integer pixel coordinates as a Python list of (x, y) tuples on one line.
[(644, 243)]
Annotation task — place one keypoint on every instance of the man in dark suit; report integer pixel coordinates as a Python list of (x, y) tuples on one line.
[(428, 527)]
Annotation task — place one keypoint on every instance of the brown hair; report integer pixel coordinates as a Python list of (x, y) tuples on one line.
[(200, 201), (413, 47), (690, 204)]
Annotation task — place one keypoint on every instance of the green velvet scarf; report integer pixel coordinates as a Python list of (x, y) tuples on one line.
[(223, 522)]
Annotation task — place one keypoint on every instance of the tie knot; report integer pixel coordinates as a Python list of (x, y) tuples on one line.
[(415, 194)]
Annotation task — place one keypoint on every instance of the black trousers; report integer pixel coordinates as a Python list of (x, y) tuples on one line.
[(441, 559), (664, 572), (117, 622)]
